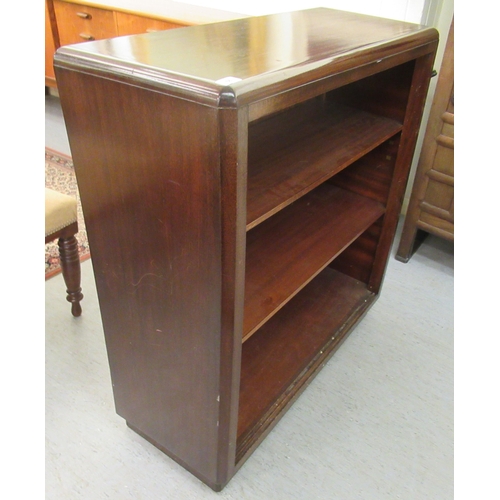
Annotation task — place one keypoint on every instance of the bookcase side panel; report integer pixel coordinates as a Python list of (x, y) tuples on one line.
[(150, 188), (412, 117)]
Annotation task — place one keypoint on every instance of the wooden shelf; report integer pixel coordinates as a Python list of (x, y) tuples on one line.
[(295, 151), (286, 251), (283, 352), (264, 234)]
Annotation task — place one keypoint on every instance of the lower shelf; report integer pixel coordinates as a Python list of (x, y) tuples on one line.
[(286, 352)]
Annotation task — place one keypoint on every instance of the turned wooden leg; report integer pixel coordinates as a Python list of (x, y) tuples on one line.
[(70, 264)]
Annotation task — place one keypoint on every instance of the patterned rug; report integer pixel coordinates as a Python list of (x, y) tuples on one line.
[(60, 176)]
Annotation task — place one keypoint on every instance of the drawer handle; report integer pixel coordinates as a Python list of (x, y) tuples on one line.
[(84, 15), (87, 37)]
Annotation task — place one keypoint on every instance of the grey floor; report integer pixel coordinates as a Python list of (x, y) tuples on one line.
[(376, 423)]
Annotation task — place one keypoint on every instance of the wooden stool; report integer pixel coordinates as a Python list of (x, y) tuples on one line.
[(61, 222)]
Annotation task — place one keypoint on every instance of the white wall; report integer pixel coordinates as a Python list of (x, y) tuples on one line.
[(440, 16), (403, 10)]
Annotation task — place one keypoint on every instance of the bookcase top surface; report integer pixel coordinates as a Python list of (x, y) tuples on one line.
[(235, 57)]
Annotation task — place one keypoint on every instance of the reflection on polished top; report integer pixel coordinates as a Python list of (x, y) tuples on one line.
[(235, 53)]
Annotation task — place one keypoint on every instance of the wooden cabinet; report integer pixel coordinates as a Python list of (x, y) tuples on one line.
[(241, 197), (431, 206), (80, 23), (50, 47), (74, 21), (131, 24)]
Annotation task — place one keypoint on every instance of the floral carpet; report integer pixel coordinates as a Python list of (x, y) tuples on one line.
[(60, 176)]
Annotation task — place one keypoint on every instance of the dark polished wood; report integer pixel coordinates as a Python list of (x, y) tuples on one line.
[(240, 197), (233, 152), (286, 251), (292, 153), (288, 350), (154, 229), (70, 264), (413, 115), (237, 50)]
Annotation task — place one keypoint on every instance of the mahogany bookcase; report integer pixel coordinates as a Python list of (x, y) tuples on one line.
[(241, 184)]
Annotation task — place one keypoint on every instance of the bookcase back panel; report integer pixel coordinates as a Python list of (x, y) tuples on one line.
[(385, 93), (357, 259), (371, 175)]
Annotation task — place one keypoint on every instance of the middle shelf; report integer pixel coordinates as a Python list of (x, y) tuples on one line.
[(286, 251)]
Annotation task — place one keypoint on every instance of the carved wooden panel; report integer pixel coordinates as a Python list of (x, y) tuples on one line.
[(431, 206)]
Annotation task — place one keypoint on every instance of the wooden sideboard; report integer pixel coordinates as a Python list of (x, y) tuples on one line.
[(74, 21), (241, 184), (431, 206)]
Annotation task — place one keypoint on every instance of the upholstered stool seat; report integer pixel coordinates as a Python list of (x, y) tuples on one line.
[(61, 223)]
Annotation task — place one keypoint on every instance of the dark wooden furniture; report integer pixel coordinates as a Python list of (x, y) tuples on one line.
[(431, 206), (61, 225), (241, 184)]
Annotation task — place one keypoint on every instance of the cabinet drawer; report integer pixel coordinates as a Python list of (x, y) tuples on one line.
[(79, 23), (131, 24)]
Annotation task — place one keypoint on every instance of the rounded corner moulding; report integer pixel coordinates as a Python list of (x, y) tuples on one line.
[(190, 89)]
